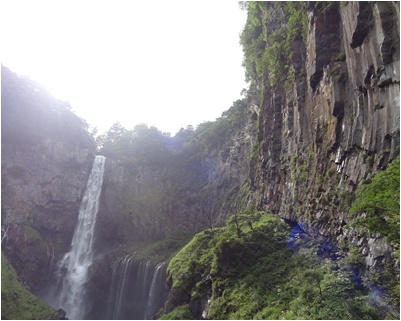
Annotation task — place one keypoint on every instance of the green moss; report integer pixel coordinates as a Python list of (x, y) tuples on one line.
[(345, 200), (369, 160), (164, 250), (190, 264), (257, 276), (269, 51), (339, 57), (32, 233), (17, 303), (179, 313), (330, 172), (380, 201), (355, 257)]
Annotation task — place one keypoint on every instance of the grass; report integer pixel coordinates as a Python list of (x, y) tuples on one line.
[(17, 303)]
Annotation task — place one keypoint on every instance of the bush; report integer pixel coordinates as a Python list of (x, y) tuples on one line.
[(17, 303), (377, 204), (180, 313)]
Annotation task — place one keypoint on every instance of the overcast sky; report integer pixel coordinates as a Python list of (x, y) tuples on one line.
[(168, 64)]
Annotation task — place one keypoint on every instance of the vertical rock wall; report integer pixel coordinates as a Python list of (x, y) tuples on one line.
[(332, 130)]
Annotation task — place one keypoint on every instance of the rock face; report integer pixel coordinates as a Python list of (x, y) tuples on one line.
[(45, 165), (145, 202), (333, 129)]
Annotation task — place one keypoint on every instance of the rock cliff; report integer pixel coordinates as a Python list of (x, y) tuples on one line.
[(180, 190), (46, 159), (334, 119)]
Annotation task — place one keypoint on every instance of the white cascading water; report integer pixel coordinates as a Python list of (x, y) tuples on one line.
[(154, 293), (75, 263), (125, 267), (138, 290)]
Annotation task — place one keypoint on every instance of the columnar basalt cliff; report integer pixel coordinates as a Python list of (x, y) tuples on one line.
[(326, 131)]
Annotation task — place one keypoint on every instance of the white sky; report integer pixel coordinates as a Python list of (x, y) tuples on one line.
[(168, 64)]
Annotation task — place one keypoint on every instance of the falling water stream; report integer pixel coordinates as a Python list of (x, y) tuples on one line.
[(138, 290), (156, 295), (73, 268)]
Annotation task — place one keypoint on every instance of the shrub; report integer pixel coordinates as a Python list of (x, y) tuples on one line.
[(377, 204)]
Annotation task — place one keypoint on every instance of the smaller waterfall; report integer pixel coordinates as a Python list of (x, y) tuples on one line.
[(73, 268), (156, 296), (119, 283), (138, 290)]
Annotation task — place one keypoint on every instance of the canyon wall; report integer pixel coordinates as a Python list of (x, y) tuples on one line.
[(334, 122), (47, 156), (177, 190)]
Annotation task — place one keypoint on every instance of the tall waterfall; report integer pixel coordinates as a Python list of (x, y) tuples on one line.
[(138, 290), (73, 268)]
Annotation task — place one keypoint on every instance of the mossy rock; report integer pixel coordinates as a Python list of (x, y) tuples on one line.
[(17, 303), (179, 313)]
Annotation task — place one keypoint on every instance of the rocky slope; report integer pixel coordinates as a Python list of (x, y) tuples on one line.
[(17, 303)]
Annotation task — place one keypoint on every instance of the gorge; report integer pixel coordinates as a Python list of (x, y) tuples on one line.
[(285, 207)]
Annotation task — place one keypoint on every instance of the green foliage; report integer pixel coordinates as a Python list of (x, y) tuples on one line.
[(297, 24), (17, 303), (268, 52), (179, 313), (256, 275), (377, 204), (143, 144), (340, 57), (189, 265), (324, 6), (212, 135), (31, 115), (149, 145), (162, 251)]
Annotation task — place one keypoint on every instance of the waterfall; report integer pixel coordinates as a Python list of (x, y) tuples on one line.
[(156, 296), (119, 283), (138, 290), (73, 268)]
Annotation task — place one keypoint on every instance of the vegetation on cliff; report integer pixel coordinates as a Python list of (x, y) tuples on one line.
[(174, 175), (376, 208), (153, 147), (31, 115), (17, 303), (268, 51), (255, 268)]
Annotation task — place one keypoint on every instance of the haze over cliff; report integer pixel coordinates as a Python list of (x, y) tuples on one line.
[(286, 206)]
